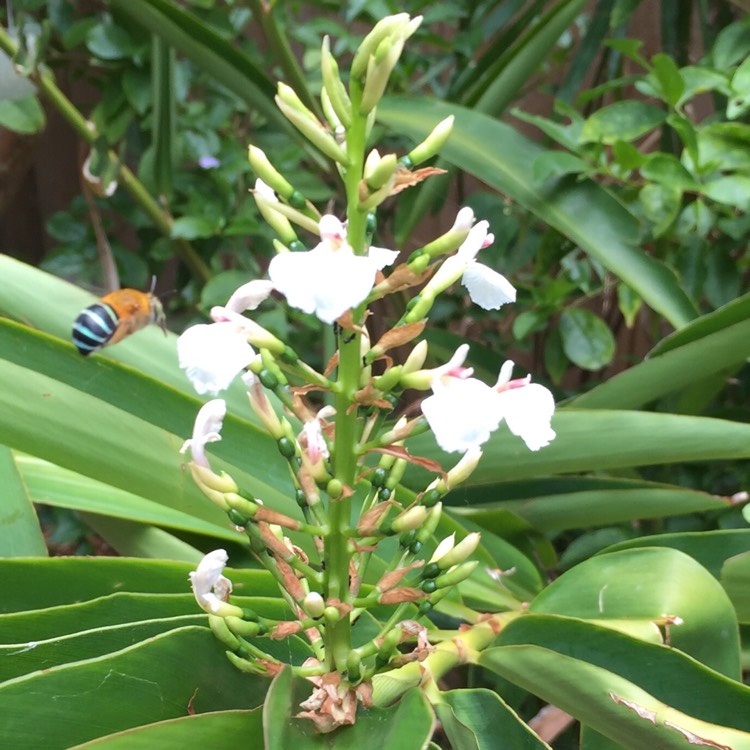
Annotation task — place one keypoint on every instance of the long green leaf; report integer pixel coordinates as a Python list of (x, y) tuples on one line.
[(584, 212), (52, 485), (20, 535), (218, 730), (575, 510), (101, 576), (166, 677), (706, 346), (501, 87)]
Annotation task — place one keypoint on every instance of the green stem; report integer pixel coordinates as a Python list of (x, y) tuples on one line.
[(130, 182), (337, 551)]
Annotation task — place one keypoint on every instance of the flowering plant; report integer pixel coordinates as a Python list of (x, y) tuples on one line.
[(338, 430)]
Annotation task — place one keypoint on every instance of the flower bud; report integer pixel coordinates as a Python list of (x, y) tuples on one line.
[(262, 406), (397, 472), (245, 665), (379, 170), (212, 485), (268, 173), (243, 628), (431, 522), (382, 62), (456, 553), (266, 200), (433, 143), (452, 239), (459, 473), (242, 505), (314, 604), (305, 121), (409, 519), (416, 358), (382, 29), (337, 95), (456, 575)]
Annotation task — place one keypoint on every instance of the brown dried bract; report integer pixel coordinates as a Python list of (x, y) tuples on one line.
[(400, 452), (406, 178), (400, 335), (393, 577), (402, 277), (401, 595), (284, 630), (272, 516), (370, 520), (333, 703)]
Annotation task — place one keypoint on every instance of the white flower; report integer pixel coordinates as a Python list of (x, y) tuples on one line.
[(329, 279), (211, 588), (206, 429), (487, 288), (213, 354), (462, 411), (527, 408)]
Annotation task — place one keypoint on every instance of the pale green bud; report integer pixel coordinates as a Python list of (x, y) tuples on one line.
[(313, 130), (452, 239), (336, 91), (382, 62), (457, 574), (379, 170), (409, 519), (433, 143), (458, 552), (222, 632), (330, 113), (214, 486), (382, 29), (416, 358), (242, 505), (245, 665), (243, 628), (314, 604), (376, 198), (388, 379), (268, 173), (459, 473), (266, 200), (431, 522)]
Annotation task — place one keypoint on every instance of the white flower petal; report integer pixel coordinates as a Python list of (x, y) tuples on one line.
[(475, 241), (212, 355), (487, 288), (324, 281), (462, 413), (528, 412), (446, 545), (210, 587), (207, 429), (382, 256), (464, 220), (265, 191), (249, 295)]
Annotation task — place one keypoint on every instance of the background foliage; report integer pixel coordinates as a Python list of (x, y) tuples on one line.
[(622, 215)]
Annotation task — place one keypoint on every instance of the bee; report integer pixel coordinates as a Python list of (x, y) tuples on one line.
[(115, 316)]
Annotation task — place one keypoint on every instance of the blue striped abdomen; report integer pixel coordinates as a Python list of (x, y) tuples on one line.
[(94, 327)]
